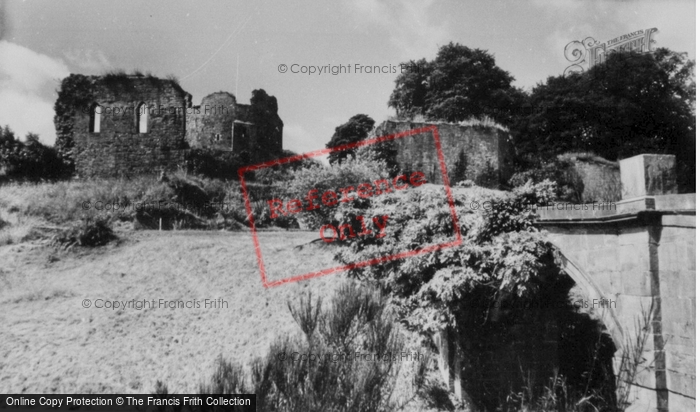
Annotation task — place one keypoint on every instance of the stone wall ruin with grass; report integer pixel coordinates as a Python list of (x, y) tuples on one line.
[(128, 125)]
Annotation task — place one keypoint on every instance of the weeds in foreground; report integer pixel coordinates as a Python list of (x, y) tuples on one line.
[(345, 360), (88, 233), (632, 360), (557, 396)]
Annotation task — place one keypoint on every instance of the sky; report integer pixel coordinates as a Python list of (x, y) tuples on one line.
[(238, 46)]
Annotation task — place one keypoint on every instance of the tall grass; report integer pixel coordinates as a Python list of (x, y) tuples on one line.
[(177, 200), (67, 201)]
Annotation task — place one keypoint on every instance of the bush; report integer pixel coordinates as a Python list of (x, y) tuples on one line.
[(213, 163), (30, 160), (503, 261), (334, 178), (383, 152), (88, 233), (181, 201), (233, 206), (177, 201), (569, 184), (488, 177), (356, 320), (581, 177)]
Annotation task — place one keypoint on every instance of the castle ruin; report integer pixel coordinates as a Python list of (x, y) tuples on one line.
[(126, 125), (483, 153)]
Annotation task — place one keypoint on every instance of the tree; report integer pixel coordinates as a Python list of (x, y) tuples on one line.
[(75, 91), (384, 152), (354, 130), (460, 170), (459, 84), (633, 103), (30, 159), (10, 148), (408, 97)]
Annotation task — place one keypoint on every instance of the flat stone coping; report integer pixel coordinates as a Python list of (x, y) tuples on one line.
[(622, 210)]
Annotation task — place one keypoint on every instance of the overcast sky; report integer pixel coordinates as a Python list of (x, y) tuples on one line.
[(238, 46)]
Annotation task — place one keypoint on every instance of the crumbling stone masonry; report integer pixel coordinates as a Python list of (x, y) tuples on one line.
[(126, 125), (487, 152), (254, 130)]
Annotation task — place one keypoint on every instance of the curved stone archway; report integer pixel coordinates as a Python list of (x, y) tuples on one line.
[(641, 256), (578, 341), (604, 314), (637, 256)]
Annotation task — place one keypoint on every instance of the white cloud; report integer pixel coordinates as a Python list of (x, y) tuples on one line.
[(88, 59), (27, 113), (576, 20), (675, 21), (27, 70), (604, 20), (408, 23), (562, 6), (27, 84), (299, 140)]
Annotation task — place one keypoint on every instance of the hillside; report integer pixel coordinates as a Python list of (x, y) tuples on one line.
[(50, 343)]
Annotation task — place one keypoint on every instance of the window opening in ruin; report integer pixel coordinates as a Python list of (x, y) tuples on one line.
[(95, 117), (142, 118)]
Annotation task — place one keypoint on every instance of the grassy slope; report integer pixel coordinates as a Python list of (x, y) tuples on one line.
[(49, 343)]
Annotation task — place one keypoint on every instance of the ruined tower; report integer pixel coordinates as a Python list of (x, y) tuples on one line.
[(127, 125)]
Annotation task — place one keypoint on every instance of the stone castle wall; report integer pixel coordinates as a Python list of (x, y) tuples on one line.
[(256, 129), (119, 149), (253, 132), (487, 150), (210, 124), (262, 135), (599, 178), (601, 181)]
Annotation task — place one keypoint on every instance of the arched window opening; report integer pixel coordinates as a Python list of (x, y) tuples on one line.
[(142, 118), (95, 117)]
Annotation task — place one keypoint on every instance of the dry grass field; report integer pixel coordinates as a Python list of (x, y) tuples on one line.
[(50, 343)]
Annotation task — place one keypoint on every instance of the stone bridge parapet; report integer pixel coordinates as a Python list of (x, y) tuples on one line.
[(638, 257)]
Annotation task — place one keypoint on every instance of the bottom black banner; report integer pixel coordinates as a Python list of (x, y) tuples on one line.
[(238, 403)]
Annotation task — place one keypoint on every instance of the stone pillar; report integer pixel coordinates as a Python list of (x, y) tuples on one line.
[(457, 362), (648, 175), (441, 341), (450, 363)]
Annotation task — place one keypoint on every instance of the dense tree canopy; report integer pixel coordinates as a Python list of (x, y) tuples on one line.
[(354, 130), (633, 103), (29, 159), (459, 84)]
